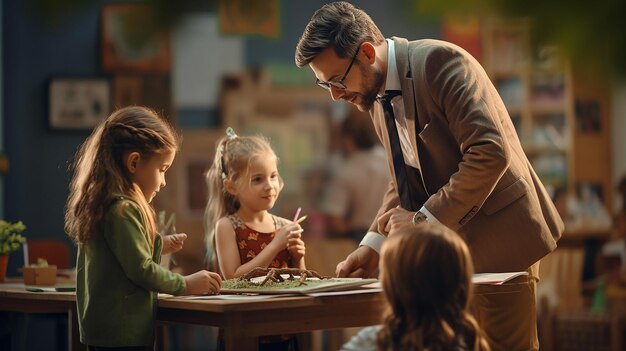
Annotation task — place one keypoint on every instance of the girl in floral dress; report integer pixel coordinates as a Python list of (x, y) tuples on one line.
[(243, 185)]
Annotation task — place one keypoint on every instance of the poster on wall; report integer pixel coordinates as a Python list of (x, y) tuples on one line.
[(250, 17), (78, 103), (132, 40)]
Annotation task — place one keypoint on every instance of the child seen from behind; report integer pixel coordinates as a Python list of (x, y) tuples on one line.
[(426, 274), (117, 172), (244, 184)]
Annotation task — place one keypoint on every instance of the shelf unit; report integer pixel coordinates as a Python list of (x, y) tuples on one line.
[(561, 117), (538, 92)]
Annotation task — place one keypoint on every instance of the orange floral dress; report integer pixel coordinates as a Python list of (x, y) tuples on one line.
[(251, 242)]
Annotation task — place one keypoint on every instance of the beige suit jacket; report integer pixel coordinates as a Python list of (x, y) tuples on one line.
[(480, 182)]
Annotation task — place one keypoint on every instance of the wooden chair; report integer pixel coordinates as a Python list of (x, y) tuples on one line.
[(322, 255), (55, 251)]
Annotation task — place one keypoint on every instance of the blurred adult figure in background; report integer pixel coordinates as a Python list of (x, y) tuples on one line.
[(358, 185)]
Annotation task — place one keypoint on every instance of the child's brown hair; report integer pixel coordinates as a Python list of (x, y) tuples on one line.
[(426, 274), (99, 169)]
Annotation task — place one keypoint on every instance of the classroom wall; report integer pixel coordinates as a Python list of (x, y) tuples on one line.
[(1, 118), (33, 52), (35, 189), (618, 135)]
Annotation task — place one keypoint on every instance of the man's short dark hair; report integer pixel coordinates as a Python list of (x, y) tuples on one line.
[(340, 25)]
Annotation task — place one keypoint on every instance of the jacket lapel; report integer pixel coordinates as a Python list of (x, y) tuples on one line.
[(408, 93)]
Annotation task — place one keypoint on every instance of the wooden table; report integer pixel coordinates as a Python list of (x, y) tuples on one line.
[(243, 321), (14, 298)]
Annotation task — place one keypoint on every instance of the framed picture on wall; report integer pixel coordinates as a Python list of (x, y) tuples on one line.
[(132, 40), (78, 103)]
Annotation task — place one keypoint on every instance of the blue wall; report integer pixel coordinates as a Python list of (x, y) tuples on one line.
[(34, 52)]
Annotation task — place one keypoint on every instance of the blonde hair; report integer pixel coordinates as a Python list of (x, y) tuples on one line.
[(426, 274), (99, 170), (232, 160)]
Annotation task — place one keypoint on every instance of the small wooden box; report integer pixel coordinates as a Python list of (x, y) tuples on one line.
[(35, 275)]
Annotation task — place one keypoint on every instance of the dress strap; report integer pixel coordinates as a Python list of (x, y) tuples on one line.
[(279, 222), (236, 221)]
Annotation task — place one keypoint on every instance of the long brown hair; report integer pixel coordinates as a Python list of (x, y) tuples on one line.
[(340, 25), (232, 159), (426, 274), (99, 170)]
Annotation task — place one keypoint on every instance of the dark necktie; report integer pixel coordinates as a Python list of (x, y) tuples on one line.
[(399, 166)]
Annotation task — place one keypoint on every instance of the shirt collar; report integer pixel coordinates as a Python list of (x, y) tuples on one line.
[(392, 82)]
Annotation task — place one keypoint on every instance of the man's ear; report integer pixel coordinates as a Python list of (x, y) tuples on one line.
[(230, 187), (369, 51), (131, 160)]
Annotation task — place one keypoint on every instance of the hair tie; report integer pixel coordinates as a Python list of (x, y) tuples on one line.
[(230, 133)]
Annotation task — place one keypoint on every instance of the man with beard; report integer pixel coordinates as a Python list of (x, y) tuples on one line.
[(453, 154)]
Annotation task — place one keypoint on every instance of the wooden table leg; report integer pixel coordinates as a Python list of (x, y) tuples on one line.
[(159, 336), (234, 337)]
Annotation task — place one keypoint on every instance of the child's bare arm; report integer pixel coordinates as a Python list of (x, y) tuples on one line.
[(228, 251)]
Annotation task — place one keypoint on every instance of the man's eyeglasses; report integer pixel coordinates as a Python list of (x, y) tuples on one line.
[(338, 84)]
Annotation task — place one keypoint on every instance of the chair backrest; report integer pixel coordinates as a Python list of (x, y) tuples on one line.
[(323, 255), (55, 251)]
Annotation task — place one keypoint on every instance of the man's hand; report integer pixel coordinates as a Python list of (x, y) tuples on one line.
[(393, 219), (361, 263)]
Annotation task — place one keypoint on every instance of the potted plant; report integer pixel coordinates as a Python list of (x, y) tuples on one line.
[(11, 240)]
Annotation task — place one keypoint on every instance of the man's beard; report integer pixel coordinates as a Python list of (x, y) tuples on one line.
[(375, 82)]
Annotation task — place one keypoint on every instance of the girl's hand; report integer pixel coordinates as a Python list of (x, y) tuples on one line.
[(173, 243), (281, 239), (295, 245), (203, 282)]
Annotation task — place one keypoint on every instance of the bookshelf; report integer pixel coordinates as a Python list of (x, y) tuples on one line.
[(561, 117), (561, 120), (537, 90)]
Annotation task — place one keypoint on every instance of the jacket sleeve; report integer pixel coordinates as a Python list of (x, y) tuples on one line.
[(126, 235), (461, 90)]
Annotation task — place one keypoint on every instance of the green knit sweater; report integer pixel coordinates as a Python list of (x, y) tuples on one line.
[(118, 277)]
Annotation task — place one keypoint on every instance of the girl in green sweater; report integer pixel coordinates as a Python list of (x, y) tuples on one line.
[(118, 170)]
